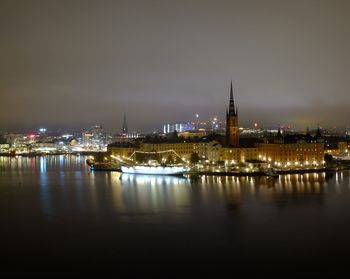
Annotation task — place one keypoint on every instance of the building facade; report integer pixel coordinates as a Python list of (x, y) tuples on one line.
[(292, 154), (123, 150), (183, 149), (179, 127), (236, 155)]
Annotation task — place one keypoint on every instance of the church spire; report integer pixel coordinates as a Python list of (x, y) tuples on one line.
[(232, 110), (232, 129), (125, 126)]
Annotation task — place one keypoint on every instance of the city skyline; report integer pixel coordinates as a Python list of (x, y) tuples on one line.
[(175, 138), (163, 62)]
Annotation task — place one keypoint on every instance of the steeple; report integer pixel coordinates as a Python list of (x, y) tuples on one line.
[(318, 137), (232, 129), (318, 133), (125, 126), (232, 110)]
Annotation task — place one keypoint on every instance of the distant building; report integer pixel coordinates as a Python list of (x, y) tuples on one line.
[(87, 138), (215, 125), (125, 134), (96, 136), (42, 131), (179, 127), (193, 134)]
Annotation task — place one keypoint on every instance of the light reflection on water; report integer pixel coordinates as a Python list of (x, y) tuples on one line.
[(66, 183), (54, 211), (152, 192)]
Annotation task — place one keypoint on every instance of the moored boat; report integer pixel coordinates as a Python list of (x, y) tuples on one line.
[(271, 172), (344, 158), (153, 167)]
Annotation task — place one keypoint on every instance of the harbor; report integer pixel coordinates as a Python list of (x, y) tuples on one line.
[(184, 168)]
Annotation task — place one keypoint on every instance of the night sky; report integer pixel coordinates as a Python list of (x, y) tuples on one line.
[(72, 64)]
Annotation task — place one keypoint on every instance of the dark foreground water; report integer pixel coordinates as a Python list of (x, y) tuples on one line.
[(55, 215)]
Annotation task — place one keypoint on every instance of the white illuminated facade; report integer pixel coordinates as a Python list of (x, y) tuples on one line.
[(179, 127)]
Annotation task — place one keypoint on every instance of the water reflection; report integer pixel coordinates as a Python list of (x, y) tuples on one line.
[(152, 192), (152, 180), (42, 164), (65, 183), (54, 204), (253, 186)]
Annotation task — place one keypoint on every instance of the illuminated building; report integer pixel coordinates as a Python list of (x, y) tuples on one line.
[(98, 135), (209, 150), (193, 134), (343, 148), (238, 155), (45, 147), (95, 137), (87, 138), (293, 150), (182, 148), (295, 154), (121, 149), (340, 149), (179, 127)]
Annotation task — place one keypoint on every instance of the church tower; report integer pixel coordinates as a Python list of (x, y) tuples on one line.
[(125, 126), (232, 129)]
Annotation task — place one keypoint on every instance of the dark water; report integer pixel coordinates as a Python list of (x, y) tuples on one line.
[(55, 215)]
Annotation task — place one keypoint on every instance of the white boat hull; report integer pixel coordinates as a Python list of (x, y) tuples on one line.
[(159, 170), (341, 158)]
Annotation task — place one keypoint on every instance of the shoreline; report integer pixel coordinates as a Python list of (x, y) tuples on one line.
[(239, 174), (83, 153), (262, 173), (195, 173)]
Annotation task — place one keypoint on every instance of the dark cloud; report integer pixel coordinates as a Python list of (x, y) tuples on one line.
[(76, 63)]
